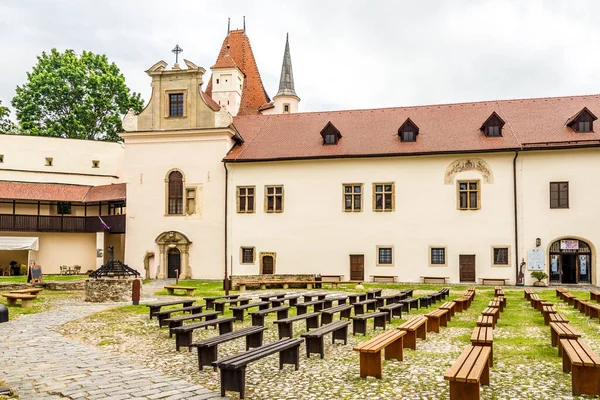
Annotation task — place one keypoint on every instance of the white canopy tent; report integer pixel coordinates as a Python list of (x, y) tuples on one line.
[(29, 244)]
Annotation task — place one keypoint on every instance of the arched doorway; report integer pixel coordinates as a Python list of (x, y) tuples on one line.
[(173, 263), (570, 261), (267, 263)]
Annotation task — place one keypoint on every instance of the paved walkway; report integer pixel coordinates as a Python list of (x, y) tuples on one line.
[(39, 363)]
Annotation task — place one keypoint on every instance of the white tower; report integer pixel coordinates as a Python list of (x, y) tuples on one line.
[(227, 83)]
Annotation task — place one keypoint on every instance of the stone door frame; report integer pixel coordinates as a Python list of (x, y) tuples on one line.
[(173, 239)]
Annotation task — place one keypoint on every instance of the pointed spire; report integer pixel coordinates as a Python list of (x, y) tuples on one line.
[(228, 25), (244, 24), (286, 82)]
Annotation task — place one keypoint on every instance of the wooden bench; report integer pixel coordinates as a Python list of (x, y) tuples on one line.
[(486, 320), (385, 278), (498, 291), (562, 331), (389, 299), (155, 307), (239, 311), (210, 301), (26, 299), (370, 352), (558, 318), (163, 315), (461, 304), (469, 371), (534, 299), (372, 293), (178, 321), (188, 289), (493, 312), (285, 325), (584, 365), (594, 295), (258, 317), (559, 291), (528, 292), (271, 296), (356, 297), (220, 304), (308, 296), (484, 336), (503, 280), (393, 310), (314, 339), (568, 297), (592, 310), (302, 308), (496, 304), (233, 369), (435, 279), (359, 307), (416, 327), (27, 291), (435, 319), (359, 322), (183, 334), (286, 284), (410, 302), (291, 299), (547, 311), (341, 299), (332, 278), (425, 301), (207, 348), (327, 313), (449, 305)]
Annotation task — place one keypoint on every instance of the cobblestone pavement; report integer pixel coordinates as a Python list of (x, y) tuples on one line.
[(39, 363)]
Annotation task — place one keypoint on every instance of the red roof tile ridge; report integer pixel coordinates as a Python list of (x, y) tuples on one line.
[(248, 143)]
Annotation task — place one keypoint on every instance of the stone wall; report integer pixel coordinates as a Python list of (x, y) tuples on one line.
[(107, 289), (270, 278), (66, 286)]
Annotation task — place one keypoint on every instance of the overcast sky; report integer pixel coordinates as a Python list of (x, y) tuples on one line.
[(345, 54)]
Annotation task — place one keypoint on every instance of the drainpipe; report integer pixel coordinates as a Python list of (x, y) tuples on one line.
[(226, 284), (516, 217)]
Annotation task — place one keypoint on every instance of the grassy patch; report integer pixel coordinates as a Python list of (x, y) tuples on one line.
[(23, 278), (45, 301)]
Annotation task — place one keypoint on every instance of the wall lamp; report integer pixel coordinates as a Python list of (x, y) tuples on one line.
[(538, 242)]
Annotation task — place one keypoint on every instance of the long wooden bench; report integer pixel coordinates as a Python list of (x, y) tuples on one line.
[(568, 297), (562, 331), (285, 325), (435, 279), (220, 304), (547, 311), (594, 295), (416, 327), (183, 334), (291, 299), (584, 365), (410, 302), (435, 319), (384, 278), (393, 310), (155, 307), (528, 292), (302, 308), (166, 314), (492, 311), (425, 301), (233, 368), (375, 292), (258, 317), (558, 318), (534, 299), (285, 284), (484, 336), (308, 296), (559, 291), (327, 313), (178, 321), (370, 352), (498, 291), (26, 299), (461, 303), (314, 338), (496, 304), (356, 297), (503, 280), (210, 301), (239, 311), (207, 348), (449, 305), (359, 307), (27, 291), (469, 371), (592, 310), (486, 320), (341, 299), (271, 296), (189, 290), (359, 322)]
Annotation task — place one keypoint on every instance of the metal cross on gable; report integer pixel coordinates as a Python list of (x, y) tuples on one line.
[(177, 50)]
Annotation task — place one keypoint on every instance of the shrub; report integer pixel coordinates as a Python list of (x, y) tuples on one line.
[(539, 275), (23, 269)]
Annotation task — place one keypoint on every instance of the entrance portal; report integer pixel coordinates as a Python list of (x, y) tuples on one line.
[(467, 268), (357, 267), (570, 261), (174, 263)]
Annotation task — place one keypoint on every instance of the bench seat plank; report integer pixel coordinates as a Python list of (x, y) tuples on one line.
[(178, 321), (359, 322), (370, 352), (416, 327), (584, 365), (258, 317), (183, 334), (314, 338), (155, 307), (285, 325)]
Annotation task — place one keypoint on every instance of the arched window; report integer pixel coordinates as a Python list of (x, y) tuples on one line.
[(175, 188)]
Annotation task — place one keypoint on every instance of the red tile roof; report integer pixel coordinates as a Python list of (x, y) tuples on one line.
[(442, 128), (210, 102), (240, 53), (61, 192)]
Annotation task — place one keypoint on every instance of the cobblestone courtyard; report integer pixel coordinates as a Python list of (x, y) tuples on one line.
[(96, 352)]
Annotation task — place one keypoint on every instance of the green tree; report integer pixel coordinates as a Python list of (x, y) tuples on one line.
[(6, 125), (68, 95)]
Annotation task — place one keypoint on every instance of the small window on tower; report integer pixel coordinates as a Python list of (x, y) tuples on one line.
[(217, 81), (286, 108), (95, 163), (49, 161), (1, 158)]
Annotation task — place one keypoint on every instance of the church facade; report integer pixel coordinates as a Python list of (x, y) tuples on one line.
[(227, 181)]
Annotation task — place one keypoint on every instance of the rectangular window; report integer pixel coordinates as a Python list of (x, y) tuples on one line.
[(352, 197), (438, 255), (273, 199), (330, 138), (493, 130), (559, 194), (383, 197), (95, 164), (63, 208), (468, 195), (190, 200), (500, 255), (286, 108), (384, 256), (584, 126), (49, 161), (408, 136), (1, 158), (247, 255), (176, 105), (245, 195)]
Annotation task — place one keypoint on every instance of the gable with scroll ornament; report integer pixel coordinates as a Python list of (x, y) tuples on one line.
[(468, 164)]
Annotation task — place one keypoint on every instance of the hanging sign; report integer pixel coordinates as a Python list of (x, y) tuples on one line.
[(582, 264), (535, 260), (569, 244)]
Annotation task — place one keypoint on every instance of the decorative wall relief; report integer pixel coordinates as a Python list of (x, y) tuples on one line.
[(468, 164)]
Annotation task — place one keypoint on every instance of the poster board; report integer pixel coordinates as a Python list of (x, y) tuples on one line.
[(36, 273), (535, 260)]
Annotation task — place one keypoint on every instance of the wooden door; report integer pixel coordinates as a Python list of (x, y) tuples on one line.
[(173, 262), (467, 268), (357, 267), (267, 265)]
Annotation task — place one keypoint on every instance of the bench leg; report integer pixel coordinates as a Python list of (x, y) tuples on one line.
[(254, 340), (225, 327), (285, 330), (585, 380), (315, 345), (464, 390), (359, 309), (174, 325), (258, 320), (422, 331), (11, 302), (183, 339), (410, 340), (206, 355), (264, 307), (210, 304), (312, 322), (190, 292), (300, 309), (282, 314), (340, 334), (379, 322), (234, 380), (309, 285), (290, 356), (433, 324), (318, 307), (218, 307), (394, 350), (293, 302), (169, 291), (370, 365), (326, 319), (444, 319), (242, 288), (345, 314), (239, 315), (359, 326)]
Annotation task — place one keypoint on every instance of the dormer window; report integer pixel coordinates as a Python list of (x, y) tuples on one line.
[(330, 134), (583, 121), (492, 127), (408, 131)]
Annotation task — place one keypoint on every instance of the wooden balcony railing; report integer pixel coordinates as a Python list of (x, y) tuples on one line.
[(58, 223)]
